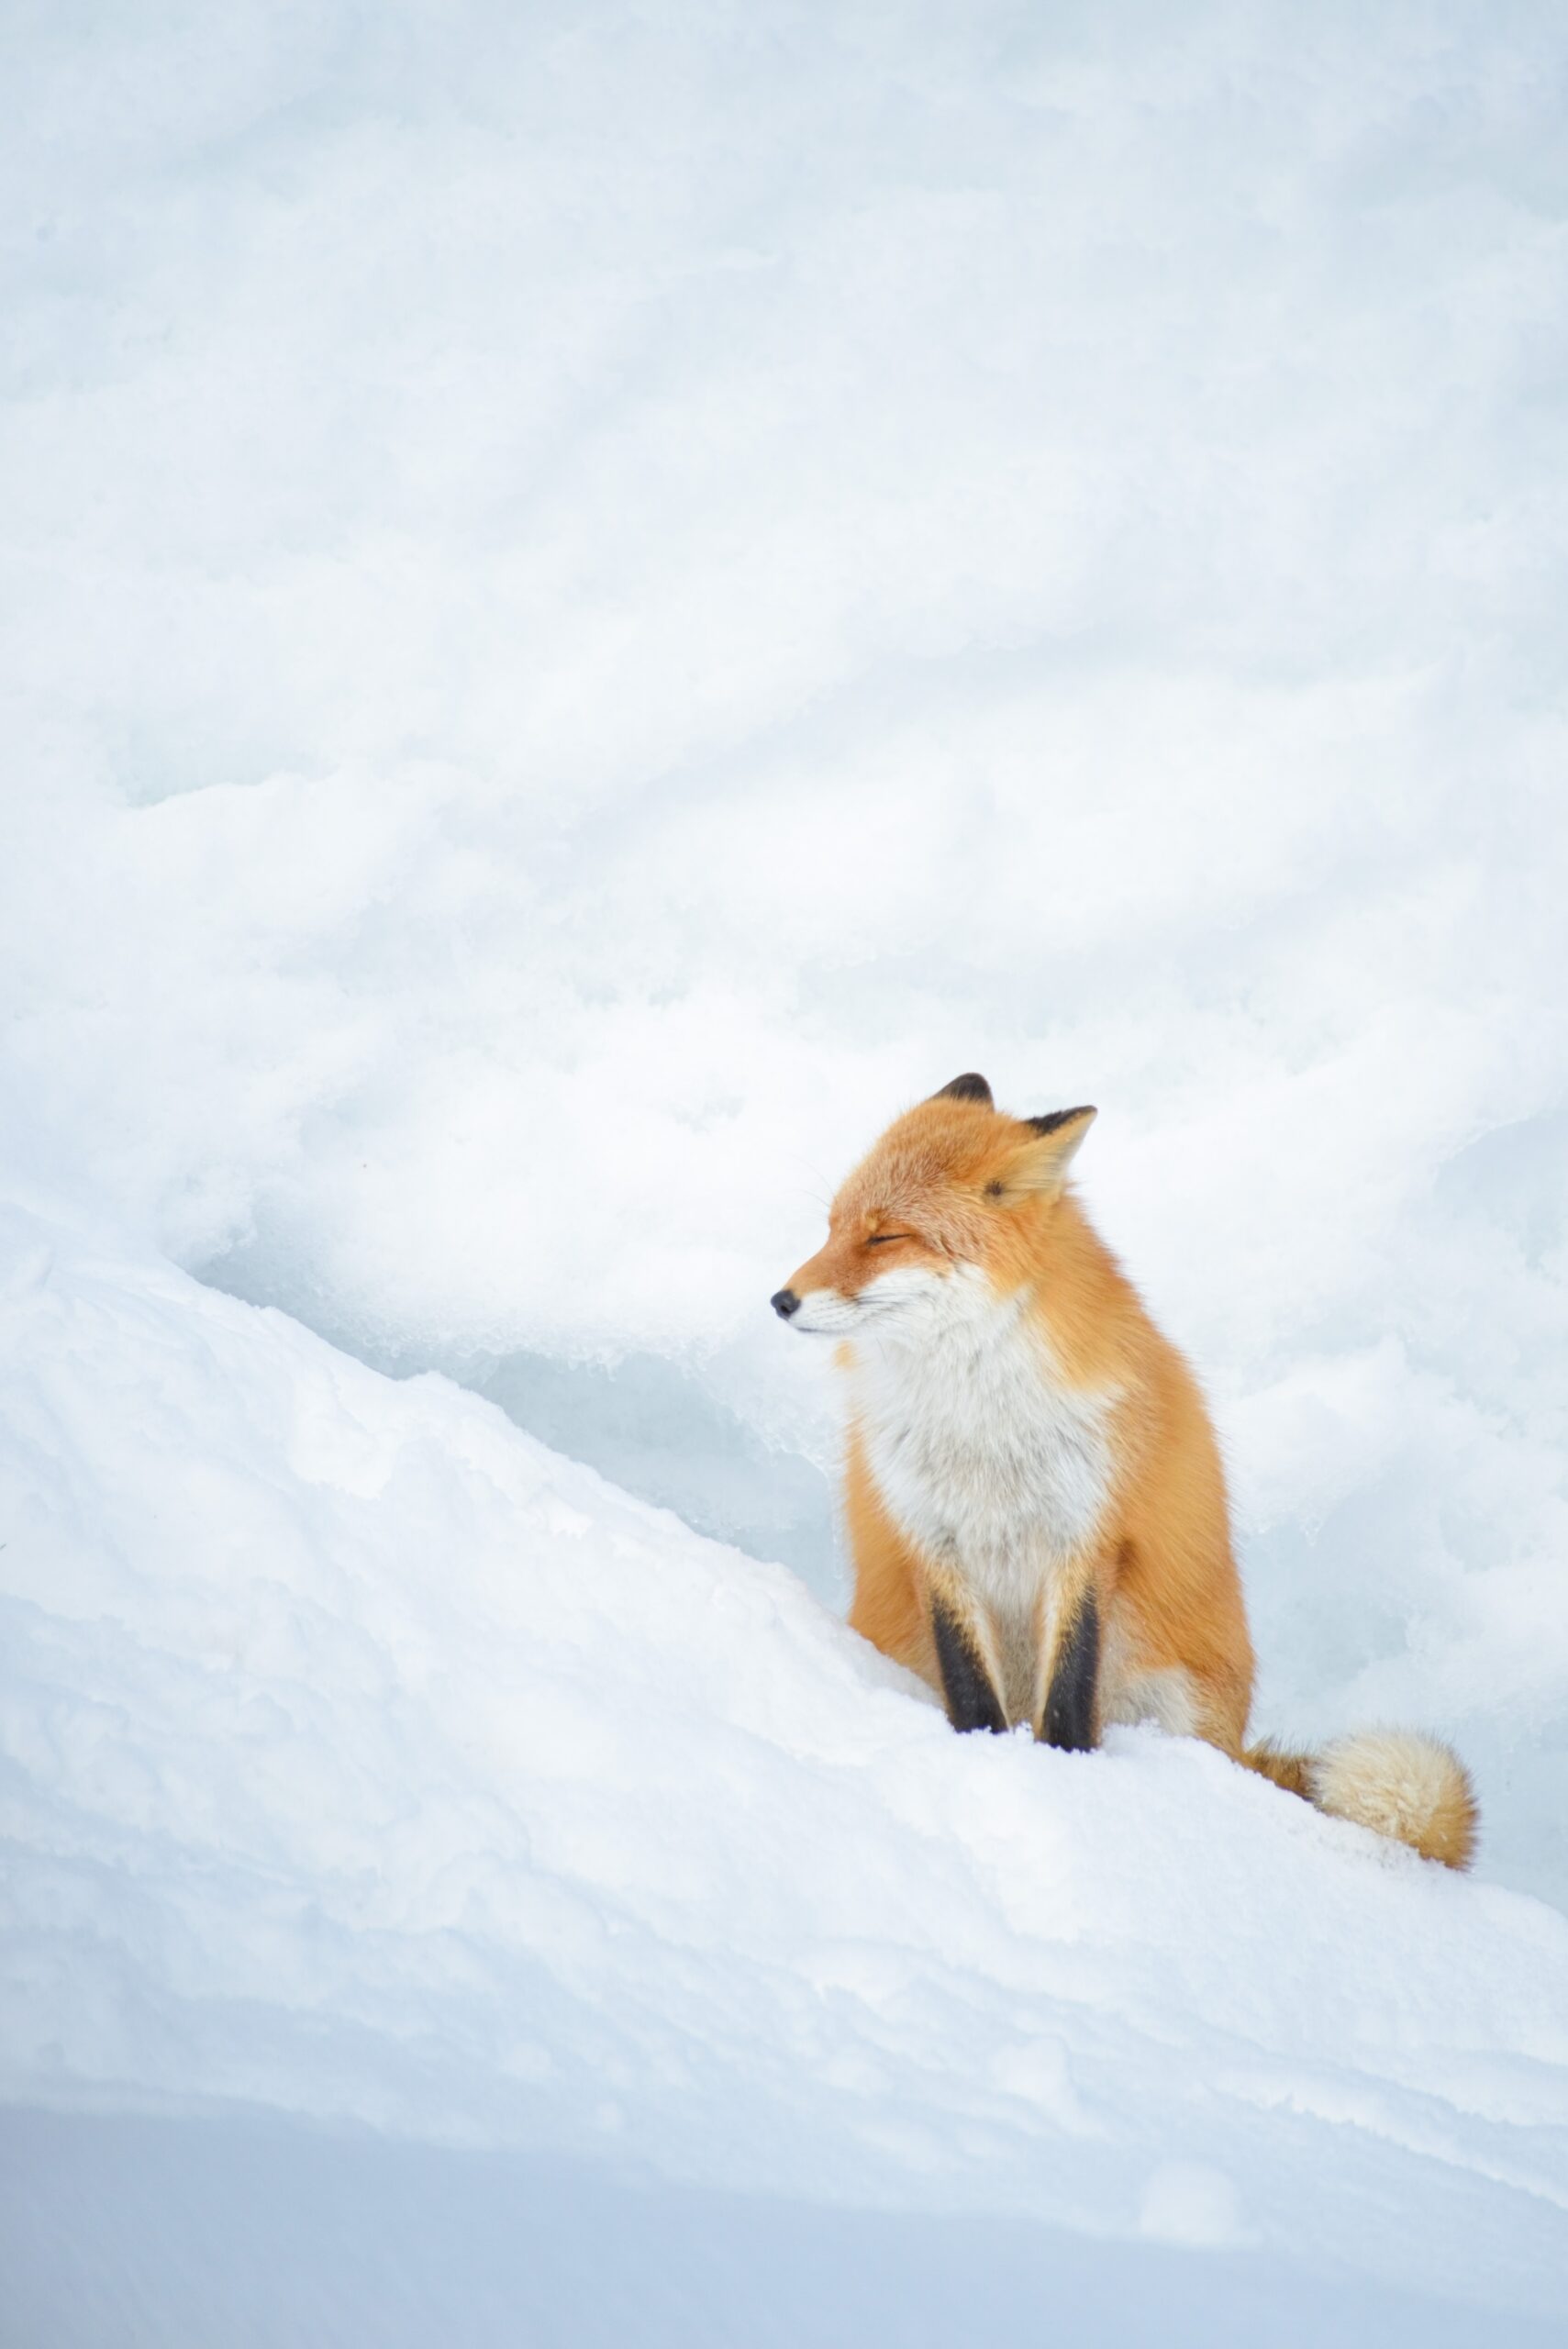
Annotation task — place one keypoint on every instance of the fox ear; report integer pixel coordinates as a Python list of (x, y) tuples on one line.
[(1040, 1169), (1058, 1121), (966, 1088)]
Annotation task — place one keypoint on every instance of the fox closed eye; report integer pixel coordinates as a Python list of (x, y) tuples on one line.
[(883, 1239)]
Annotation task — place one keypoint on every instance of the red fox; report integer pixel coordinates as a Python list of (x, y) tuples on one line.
[(1032, 1489)]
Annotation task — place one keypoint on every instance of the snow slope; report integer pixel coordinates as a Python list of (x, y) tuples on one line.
[(367, 1763)]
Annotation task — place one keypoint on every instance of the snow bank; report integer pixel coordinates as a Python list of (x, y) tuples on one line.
[(366, 1762)]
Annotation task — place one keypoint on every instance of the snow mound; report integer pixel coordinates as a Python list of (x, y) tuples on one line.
[(364, 1761)]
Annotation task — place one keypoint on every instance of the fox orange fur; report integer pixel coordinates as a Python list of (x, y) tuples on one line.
[(1033, 1492)]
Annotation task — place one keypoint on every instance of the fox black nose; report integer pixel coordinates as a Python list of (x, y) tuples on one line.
[(784, 1302)]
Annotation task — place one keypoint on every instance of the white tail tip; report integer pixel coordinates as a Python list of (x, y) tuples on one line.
[(1402, 1785)]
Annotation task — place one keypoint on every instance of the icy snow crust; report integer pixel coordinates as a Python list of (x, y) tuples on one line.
[(364, 1760)]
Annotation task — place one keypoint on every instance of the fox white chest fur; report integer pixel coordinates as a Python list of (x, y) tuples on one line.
[(984, 1459)]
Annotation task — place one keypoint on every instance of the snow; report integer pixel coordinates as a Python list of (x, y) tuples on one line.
[(254, 2232), (597, 600), (368, 1763)]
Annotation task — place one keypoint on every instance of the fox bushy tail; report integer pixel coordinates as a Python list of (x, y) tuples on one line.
[(1391, 1780)]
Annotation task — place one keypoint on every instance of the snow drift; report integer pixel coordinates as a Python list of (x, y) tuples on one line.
[(366, 1761)]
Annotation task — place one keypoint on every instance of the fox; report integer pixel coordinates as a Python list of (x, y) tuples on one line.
[(1033, 1498)]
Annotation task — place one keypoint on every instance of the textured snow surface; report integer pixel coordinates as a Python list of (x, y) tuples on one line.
[(364, 1761)]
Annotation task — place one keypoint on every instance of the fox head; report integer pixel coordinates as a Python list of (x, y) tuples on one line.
[(945, 1214)]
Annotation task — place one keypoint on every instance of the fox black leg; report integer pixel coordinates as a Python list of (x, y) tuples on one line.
[(971, 1701), (1069, 1697)]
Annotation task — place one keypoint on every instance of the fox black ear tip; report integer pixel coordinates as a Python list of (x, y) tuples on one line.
[(970, 1087), (1054, 1119)]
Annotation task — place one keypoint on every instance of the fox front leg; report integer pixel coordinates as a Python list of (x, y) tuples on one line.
[(1069, 1716), (967, 1686)]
